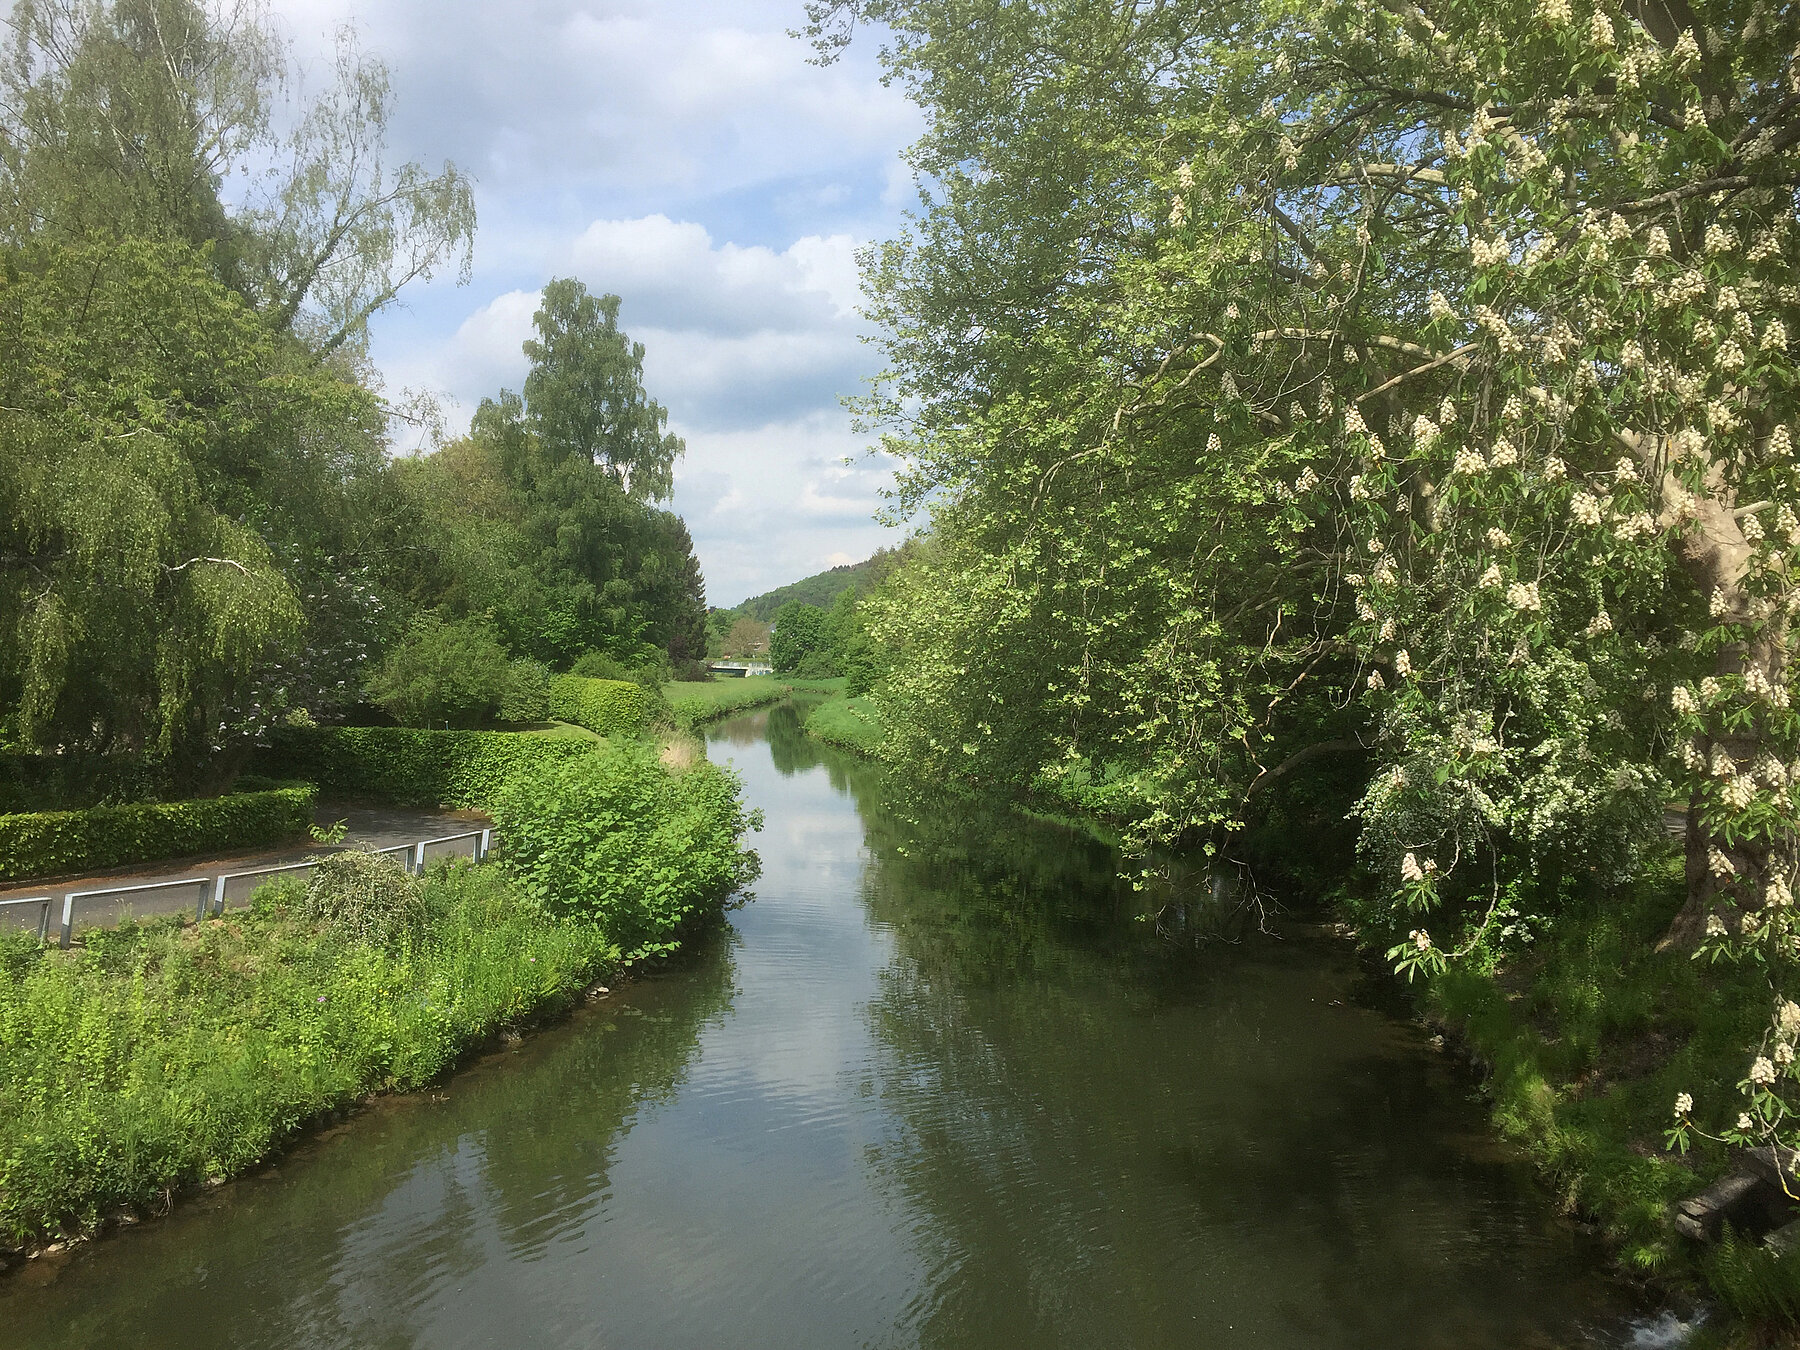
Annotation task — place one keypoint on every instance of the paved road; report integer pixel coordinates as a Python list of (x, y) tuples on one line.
[(370, 827)]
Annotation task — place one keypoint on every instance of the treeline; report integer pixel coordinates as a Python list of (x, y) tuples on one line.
[(201, 532), (816, 628)]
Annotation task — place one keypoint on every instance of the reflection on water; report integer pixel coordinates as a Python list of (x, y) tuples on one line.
[(939, 1085)]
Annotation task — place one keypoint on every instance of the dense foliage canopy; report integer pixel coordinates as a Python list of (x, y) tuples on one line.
[(1407, 384)]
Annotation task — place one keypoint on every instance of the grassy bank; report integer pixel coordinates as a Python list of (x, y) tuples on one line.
[(695, 703), (849, 723), (164, 1055), (1587, 1035)]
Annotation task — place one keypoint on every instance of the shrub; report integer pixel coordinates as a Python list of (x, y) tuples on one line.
[(454, 673), (615, 838), (527, 697), (44, 843), (400, 764), (603, 706), (799, 630)]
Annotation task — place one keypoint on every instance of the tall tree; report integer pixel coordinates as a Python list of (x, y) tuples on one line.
[(585, 394)]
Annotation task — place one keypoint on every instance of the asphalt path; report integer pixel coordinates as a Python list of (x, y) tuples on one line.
[(368, 827)]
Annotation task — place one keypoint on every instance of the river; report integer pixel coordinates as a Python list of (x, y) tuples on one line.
[(937, 1085)]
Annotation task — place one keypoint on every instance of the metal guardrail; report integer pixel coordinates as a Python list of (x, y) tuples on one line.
[(215, 890)]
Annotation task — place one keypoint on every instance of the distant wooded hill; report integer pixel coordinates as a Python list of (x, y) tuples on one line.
[(820, 589)]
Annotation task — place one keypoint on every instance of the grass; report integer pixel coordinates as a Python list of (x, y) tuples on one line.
[(165, 1054), (694, 702), (1587, 1039), (848, 723)]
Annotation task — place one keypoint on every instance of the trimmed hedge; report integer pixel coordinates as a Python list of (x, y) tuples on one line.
[(44, 843), (415, 768), (603, 706)]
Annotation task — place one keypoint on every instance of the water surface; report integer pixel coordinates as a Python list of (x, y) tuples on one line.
[(937, 1086)]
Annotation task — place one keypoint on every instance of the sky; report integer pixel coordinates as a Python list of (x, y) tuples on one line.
[(686, 156)]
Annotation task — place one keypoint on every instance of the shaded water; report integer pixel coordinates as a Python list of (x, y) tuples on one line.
[(935, 1086)]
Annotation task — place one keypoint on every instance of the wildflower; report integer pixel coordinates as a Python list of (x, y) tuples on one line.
[(1184, 175), (1498, 538), (1513, 409), (1752, 529), (1489, 252), (1375, 546), (1554, 470), (1718, 605), (1387, 630), (1718, 864), (1681, 699), (1744, 1122), (1618, 229), (1787, 1018), (1425, 431), (1446, 412), (1556, 13), (1776, 894), (1523, 596), (1692, 758), (1656, 243), (1402, 663), (1177, 212), (1602, 624), (1504, 454), (1719, 238), (1214, 444), (1784, 1054), (1762, 1071), (1491, 579), (1774, 337), (1410, 870), (1468, 461), (1307, 480), (1420, 939), (1232, 311), (1376, 683), (1686, 51), (1684, 1104), (1739, 794), (1730, 357), (1715, 926), (1585, 507), (1781, 445), (1353, 422), (1710, 689), (1439, 306)]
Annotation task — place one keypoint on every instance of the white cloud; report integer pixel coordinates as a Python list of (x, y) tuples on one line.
[(687, 157)]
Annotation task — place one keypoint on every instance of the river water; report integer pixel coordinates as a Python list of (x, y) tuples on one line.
[(936, 1086)]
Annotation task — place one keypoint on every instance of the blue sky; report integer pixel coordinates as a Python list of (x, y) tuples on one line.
[(688, 158)]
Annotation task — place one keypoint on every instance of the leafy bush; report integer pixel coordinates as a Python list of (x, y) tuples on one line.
[(603, 706), (70, 782), (452, 673), (365, 898), (527, 696), (44, 843), (616, 838), (799, 631), (165, 1054), (400, 764)]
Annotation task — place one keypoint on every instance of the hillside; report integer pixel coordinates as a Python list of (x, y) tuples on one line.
[(820, 589)]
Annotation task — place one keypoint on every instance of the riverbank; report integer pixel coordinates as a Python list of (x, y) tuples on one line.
[(694, 704), (164, 1056)]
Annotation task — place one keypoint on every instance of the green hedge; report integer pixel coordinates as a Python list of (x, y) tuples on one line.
[(416, 768), (44, 843), (603, 706)]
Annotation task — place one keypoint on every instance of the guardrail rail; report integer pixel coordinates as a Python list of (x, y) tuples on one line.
[(214, 891)]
